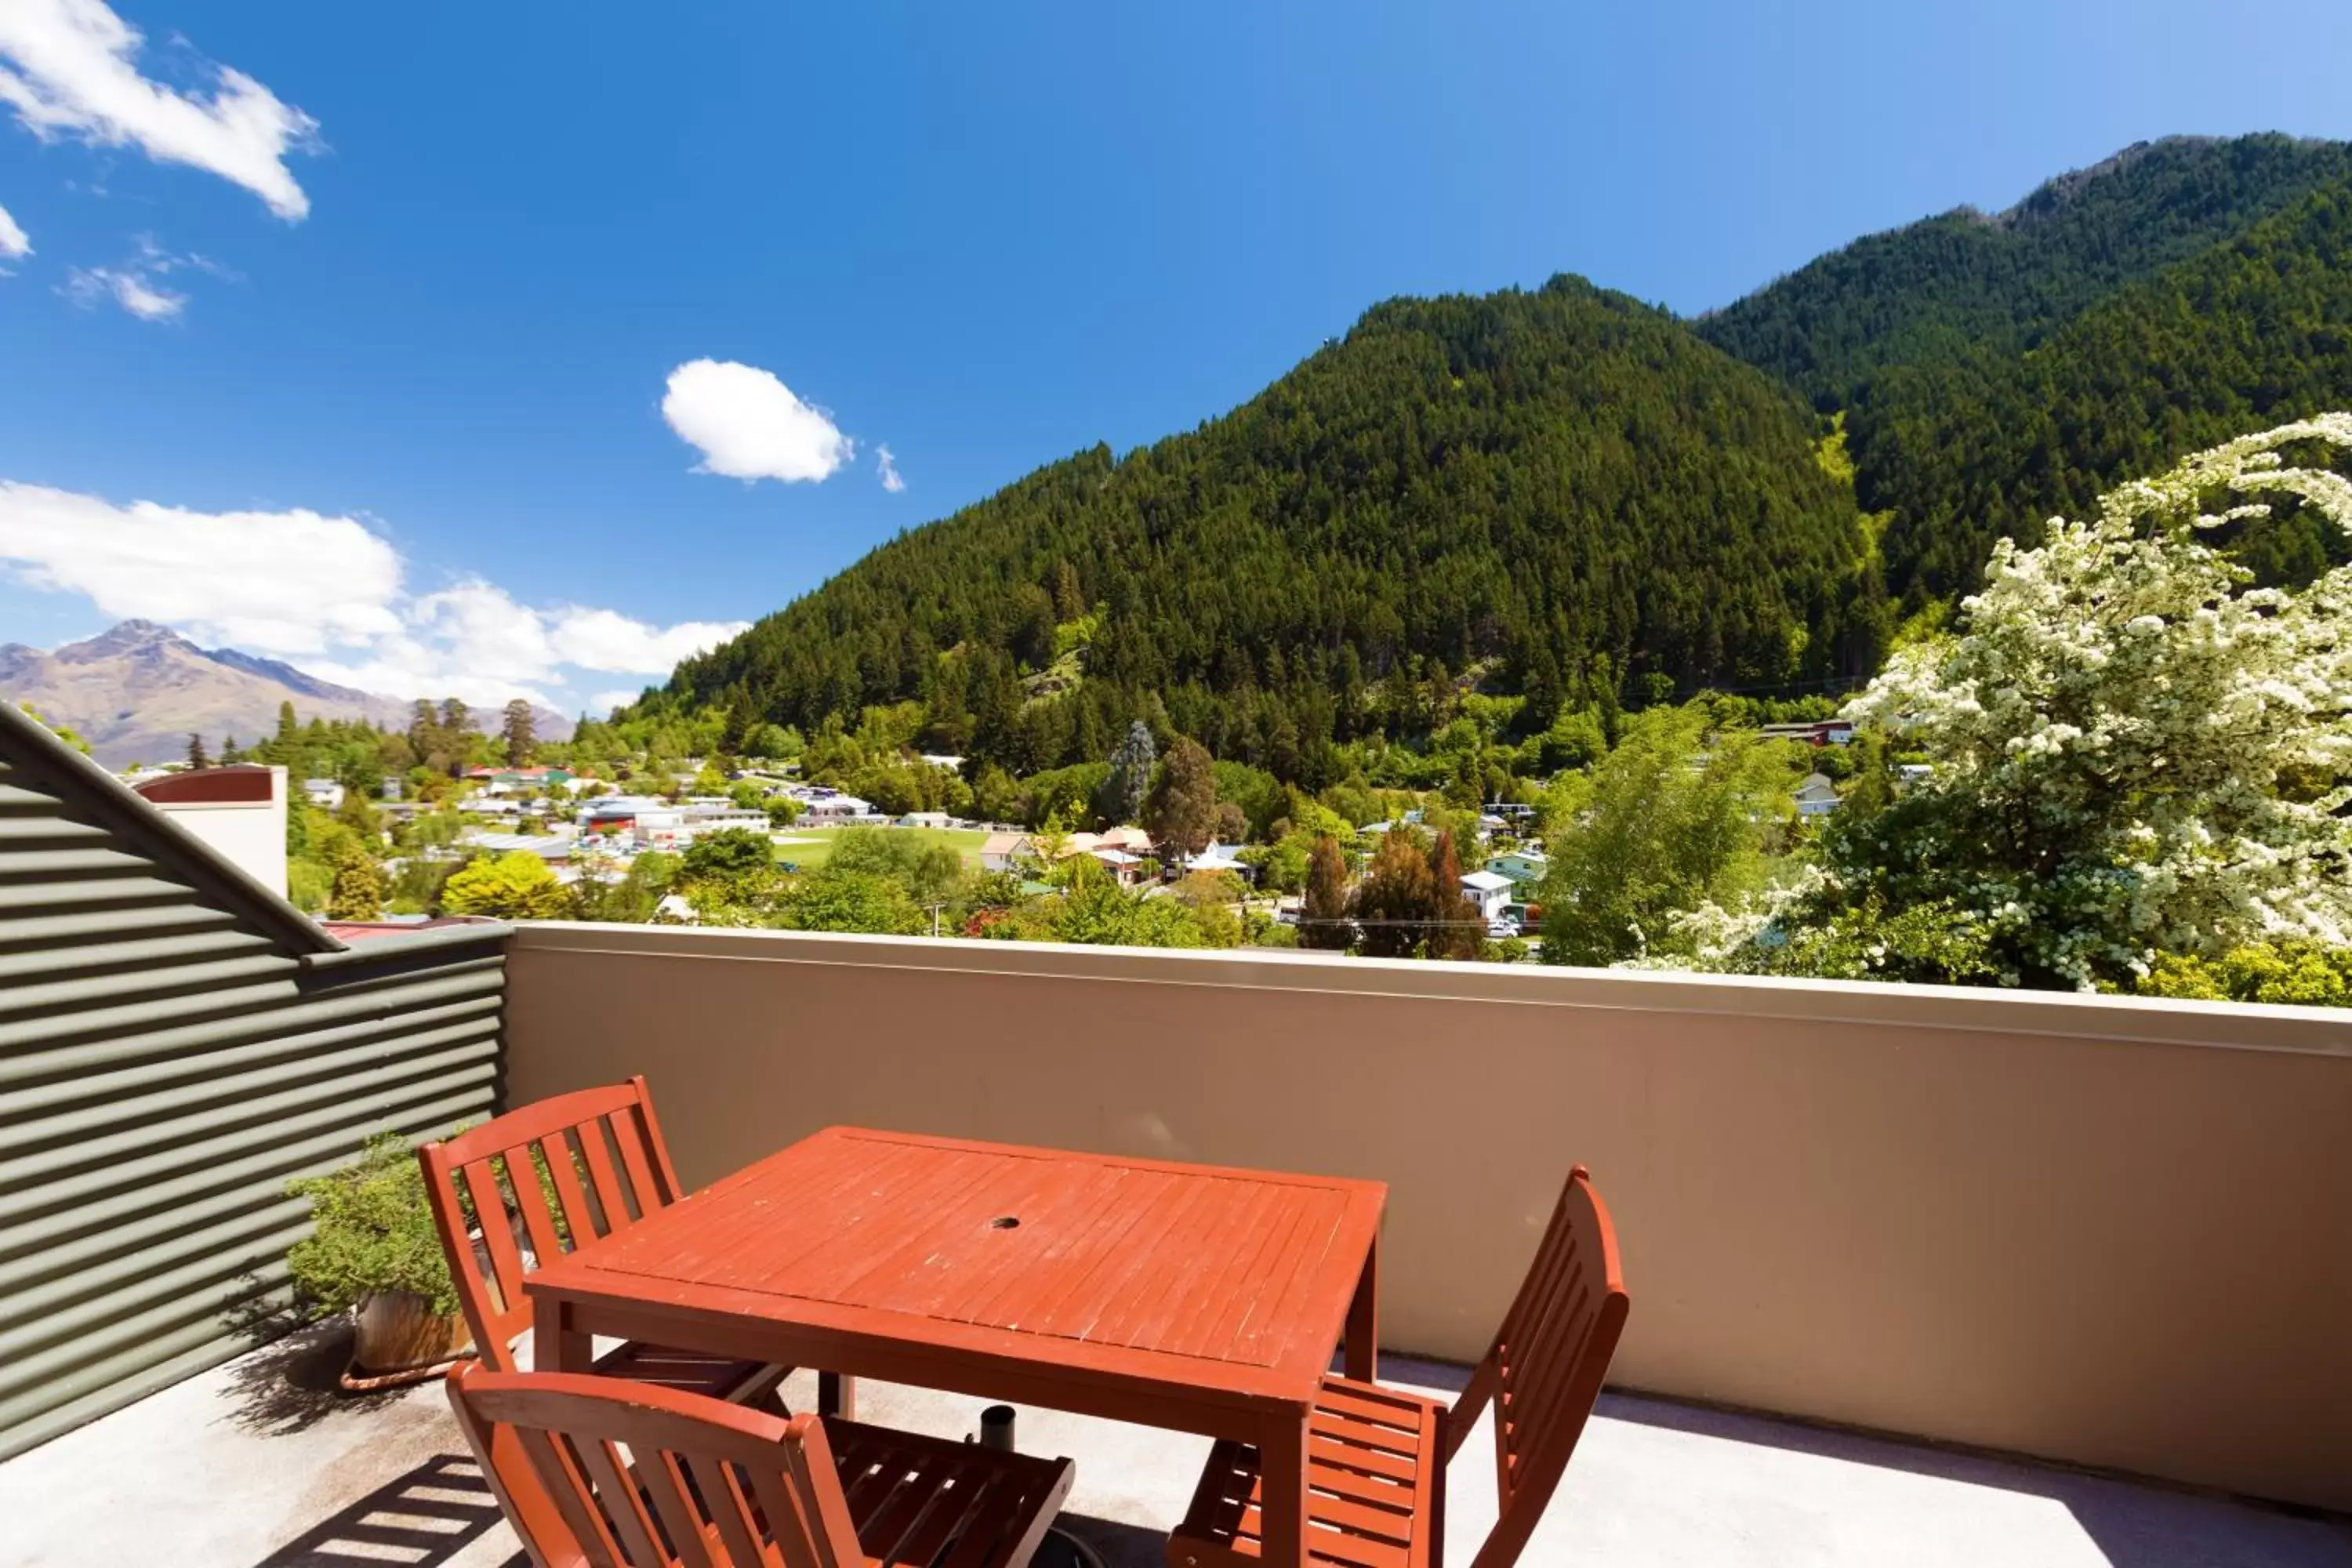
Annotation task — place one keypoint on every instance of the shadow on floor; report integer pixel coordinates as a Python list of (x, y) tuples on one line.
[(2133, 1523), (422, 1519), (290, 1383), (435, 1511)]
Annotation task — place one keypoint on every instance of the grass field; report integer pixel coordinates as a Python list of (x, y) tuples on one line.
[(814, 845)]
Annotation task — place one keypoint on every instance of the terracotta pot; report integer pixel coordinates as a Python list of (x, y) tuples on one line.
[(397, 1329)]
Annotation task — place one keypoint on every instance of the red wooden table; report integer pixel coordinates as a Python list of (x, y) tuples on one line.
[(1187, 1296)]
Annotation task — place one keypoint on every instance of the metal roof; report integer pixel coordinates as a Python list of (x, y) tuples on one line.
[(38, 761)]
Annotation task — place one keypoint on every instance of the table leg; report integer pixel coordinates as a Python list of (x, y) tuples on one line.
[(1363, 1339), (836, 1396), (555, 1346), (1282, 1493)]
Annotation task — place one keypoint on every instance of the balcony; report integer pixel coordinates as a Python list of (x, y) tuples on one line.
[(1919, 1276)]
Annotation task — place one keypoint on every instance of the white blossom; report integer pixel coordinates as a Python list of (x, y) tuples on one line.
[(2136, 751)]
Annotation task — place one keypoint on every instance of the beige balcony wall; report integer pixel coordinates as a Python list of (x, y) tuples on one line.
[(2107, 1231)]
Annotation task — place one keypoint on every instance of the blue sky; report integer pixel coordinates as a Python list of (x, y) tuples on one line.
[(427, 272)]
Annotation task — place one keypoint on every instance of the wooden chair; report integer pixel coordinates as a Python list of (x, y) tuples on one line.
[(576, 1169), (718, 1486), (1376, 1457)]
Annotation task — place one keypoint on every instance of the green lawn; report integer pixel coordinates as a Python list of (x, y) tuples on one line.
[(818, 846)]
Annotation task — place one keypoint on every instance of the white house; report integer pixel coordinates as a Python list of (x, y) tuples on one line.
[(1816, 796), (1490, 890), (924, 819), (1005, 851), (1220, 858), (239, 810), (325, 793), (832, 806)]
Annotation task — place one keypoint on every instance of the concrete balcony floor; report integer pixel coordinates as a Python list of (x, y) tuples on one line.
[(261, 1462)]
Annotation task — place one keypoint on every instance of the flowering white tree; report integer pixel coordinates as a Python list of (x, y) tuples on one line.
[(2135, 751)]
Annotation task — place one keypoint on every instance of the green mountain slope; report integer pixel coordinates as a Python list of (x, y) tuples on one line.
[(1565, 489), (2252, 333), (1952, 289)]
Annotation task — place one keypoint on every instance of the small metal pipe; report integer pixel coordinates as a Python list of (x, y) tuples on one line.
[(996, 1427)]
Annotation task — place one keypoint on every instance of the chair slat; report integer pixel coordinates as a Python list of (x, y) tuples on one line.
[(629, 1138), (604, 1178), (808, 1459), (681, 1520), (916, 1484), (991, 1517), (551, 1457), (522, 1176), (600, 1458), (938, 1526), (564, 1169), (788, 1521), (498, 1237), (730, 1510), (1378, 1462)]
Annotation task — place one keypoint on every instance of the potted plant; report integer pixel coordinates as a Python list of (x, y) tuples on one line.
[(373, 1252)]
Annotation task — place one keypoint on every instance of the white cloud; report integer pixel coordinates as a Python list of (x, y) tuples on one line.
[(603, 639), (327, 593), (136, 285), (71, 71), (128, 288), (888, 467), (749, 425), (290, 581), (15, 243), (603, 703)]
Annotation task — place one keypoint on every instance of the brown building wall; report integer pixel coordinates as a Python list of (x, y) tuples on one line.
[(2114, 1231)]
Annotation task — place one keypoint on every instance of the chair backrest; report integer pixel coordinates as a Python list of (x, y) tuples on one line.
[(1545, 1369), (701, 1482), (545, 1179)]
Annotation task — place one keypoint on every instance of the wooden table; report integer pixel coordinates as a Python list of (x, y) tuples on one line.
[(1187, 1296)]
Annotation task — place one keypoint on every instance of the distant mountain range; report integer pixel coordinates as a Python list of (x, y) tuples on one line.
[(137, 690)]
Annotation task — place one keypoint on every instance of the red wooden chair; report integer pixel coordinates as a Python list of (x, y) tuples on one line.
[(718, 1486), (575, 1169), (1376, 1457)]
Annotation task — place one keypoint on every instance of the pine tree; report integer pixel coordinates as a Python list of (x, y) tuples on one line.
[(196, 754), (516, 734), (1130, 776)]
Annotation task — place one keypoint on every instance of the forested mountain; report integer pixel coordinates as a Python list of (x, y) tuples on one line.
[(1949, 289), (2252, 333), (1564, 490), (1994, 371), (1571, 496)]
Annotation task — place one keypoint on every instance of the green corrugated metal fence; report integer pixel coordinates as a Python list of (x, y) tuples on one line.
[(170, 1056)]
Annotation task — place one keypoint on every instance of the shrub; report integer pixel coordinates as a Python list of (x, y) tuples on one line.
[(373, 1230), (2292, 973)]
